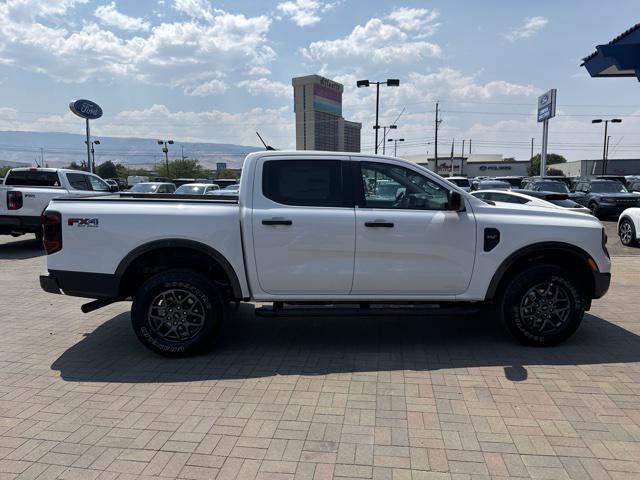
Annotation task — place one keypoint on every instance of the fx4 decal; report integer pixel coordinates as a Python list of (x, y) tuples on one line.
[(83, 222)]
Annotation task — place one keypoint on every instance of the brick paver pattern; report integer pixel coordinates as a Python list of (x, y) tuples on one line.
[(384, 398)]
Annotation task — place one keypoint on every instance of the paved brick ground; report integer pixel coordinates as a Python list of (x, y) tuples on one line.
[(389, 398)]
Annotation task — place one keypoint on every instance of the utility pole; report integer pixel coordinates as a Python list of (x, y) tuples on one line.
[(469, 146), (607, 154), (462, 157), (42, 157), (531, 148), (391, 82), (453, 142), (438, 121), (182, 148)]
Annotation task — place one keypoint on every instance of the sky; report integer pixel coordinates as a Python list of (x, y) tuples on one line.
[(217, 71)]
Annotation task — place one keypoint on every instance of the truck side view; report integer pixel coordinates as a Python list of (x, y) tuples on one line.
[(320, 233), (26, 192)]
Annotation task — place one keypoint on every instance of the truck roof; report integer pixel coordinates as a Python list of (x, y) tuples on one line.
[(46, 169), (322, 154)]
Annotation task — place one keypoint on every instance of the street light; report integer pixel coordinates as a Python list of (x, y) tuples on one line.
[(384, 135), (395, 145), (391, 82), (165, 149), (92, 167), (604, 148)]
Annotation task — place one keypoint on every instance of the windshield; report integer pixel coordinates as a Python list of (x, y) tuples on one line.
[(495, 185), (608, 187), (232, 187), (461, 182), (190, 190), (564, 203), (145, 188), (514, 182), (552, 186)]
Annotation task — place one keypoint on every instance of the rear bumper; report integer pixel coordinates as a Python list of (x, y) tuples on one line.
[(80, 284), (18, 224), (601, 282)]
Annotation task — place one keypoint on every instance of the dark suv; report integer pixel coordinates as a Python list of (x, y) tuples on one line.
[(545, 185), (604, 197)]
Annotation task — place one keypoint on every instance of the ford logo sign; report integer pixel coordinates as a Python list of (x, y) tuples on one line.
[(86, 109)]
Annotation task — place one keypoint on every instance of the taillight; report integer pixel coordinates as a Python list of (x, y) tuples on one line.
[(52, 231), (14, 200)]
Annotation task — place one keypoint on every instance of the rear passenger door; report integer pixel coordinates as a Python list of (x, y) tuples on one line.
[(303, 226)]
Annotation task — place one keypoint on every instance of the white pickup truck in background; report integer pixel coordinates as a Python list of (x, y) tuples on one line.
[(321, 233), (26, 192)]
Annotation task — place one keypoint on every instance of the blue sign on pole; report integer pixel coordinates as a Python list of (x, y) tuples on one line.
[(547, 105), (86, 109)]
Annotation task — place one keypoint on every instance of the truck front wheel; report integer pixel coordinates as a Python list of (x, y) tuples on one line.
[(177, 314), (542, 305)]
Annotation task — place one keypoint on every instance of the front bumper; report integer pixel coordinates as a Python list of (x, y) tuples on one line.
[(613, 209), (601, 282), (18, 224)]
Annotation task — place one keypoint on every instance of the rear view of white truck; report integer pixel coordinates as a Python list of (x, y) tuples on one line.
[(26, 192)]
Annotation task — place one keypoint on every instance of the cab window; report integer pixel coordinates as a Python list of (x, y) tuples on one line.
[(391, 186)]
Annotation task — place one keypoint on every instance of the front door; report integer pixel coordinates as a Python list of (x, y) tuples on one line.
[(407, 242), (303, 228)]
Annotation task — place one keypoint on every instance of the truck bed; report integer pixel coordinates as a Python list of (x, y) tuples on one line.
[(161, 197)]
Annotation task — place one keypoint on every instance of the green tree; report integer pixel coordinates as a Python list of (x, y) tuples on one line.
[(107, 170), (552, 159), (180, 168), (74, 166), (3, 172)]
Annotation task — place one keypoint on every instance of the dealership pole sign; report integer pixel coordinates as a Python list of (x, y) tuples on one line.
[(546, 110), (89, 111)]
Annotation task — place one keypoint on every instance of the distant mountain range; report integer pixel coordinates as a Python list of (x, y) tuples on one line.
[(58, 149)]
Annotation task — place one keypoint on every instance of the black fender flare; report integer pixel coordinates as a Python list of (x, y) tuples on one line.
[(182, 243), (527, 251)]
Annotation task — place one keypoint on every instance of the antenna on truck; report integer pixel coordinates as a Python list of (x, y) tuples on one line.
[(267, 147)]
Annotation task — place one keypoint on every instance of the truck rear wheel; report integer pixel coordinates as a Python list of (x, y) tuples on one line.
[(542, 305), (177, 314)]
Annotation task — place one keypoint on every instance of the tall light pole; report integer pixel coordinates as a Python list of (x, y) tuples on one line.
[(165, 149), (391, 82), (92, 159), (604, 148), (395, 145), (384, 136)]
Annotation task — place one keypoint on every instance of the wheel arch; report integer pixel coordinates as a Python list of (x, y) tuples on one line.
[(563, 254), (212, 258)]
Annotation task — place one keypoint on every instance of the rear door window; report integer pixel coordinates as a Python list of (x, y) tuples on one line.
[(32, 178), (78, 181), (312, 183)]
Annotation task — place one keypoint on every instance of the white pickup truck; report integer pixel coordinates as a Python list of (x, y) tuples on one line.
[(319, 233), (26, 192)]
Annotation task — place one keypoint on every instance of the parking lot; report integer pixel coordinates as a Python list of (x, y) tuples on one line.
[(385, 398)]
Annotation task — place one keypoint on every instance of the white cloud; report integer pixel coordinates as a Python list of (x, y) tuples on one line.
[(530, 27), (109, 15), (264, 86), (305, 13), (212, 87), (195, 8), (21, 10), (374, 42), (415, 19), (453, 83), (259, 71), (173, 54)]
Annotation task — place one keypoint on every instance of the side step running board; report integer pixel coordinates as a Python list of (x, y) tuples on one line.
[(280, 310)]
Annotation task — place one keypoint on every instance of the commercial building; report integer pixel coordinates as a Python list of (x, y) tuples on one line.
[(319, 123), (586, 168), (475, 165)]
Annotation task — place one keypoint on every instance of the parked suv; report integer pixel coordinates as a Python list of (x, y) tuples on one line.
[(546, 185), (604, 197)]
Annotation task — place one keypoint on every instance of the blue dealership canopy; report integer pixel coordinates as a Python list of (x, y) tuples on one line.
[(618, 58)]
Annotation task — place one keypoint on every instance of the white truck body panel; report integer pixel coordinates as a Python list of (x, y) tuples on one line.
[(326, 254)]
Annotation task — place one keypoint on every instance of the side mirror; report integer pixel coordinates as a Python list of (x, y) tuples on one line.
[(113, 189), (455, 201)]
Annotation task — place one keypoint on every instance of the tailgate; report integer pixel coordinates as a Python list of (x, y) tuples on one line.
[(34, 200)]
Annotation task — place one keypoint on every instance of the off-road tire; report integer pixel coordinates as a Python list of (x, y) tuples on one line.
[(177, 313), (542, 296)]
